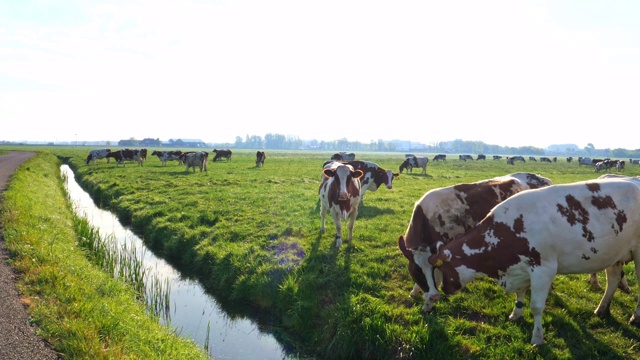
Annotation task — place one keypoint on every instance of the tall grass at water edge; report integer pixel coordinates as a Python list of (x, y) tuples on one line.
[(79, 309), (251, 235)]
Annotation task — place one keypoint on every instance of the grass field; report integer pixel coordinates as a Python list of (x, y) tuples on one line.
[(252, 236)]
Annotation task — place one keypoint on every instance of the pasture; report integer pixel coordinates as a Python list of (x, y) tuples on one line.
[(252, 236)]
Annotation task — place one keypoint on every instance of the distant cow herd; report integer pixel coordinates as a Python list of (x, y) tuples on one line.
[(518, 229)]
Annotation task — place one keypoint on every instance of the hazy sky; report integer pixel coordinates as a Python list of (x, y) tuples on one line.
[(510, 73)]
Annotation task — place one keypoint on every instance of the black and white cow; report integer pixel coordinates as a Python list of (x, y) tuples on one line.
[(222, 154), (440, 157), (127, 155), (512, 159), (339, 194), (526, 240), (97, 154), (168, 155)]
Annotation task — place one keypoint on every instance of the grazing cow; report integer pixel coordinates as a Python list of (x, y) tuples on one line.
[(497, 157), (526, 240), (221, 154), (570, 159), (481, 157), (406, 164), (634, 161), (545, 159), (531, 158), (440, 157), (465, 157), (419, 162), (373, 176), (442, 214), (98, 154), (260, 157), (167, 155), (512, 159), (339, 193), (198, 158), (126, 155)]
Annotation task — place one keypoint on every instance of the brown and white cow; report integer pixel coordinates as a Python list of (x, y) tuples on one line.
[(373, 176), (127, 155), (198, 158), (444, 213), (526, 240), (168, 155), (339, 194), (260, 157), (98, 154), (222, 154)]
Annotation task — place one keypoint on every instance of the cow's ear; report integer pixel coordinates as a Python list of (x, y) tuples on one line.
[(328, 173), (357, 174), (403, 248), (395, 175), (437, 260)]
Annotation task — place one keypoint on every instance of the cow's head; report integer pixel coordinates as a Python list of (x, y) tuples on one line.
[(441, 261), (423, 275), (343, 176)]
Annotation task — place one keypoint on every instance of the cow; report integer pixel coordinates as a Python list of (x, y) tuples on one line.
[(168, 155), (442, 214), (465, 157), (373, 176), (98, 154), (440, 157), (126, 155), (584, 161), (545, 159), (406, 164), (420, 162), (481, 157), (512, 159), (198, 158), (260, 157), (497, 157), (339, 194), (343, 156), (634, 161), (221, 154), (526, 240), (620, 165), (531, 158), (569, 159)]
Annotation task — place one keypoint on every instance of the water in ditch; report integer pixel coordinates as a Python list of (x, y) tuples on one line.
[(193, 313)]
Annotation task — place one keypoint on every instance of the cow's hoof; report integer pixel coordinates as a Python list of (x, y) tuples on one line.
[(603, 313)]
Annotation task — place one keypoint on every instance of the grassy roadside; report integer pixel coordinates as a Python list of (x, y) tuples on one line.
[(80, 310)]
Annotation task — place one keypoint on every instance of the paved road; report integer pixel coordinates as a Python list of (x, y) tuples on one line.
[(18, 340)]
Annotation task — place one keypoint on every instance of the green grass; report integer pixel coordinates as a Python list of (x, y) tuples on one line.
[(252, 236), (82, 311)]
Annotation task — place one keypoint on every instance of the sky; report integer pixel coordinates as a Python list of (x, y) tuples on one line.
[(509, 73)]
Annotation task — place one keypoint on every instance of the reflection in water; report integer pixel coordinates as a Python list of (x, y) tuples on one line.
[(193, 313)]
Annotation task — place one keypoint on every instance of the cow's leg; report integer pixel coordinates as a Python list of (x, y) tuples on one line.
[(593, 280), (518, 308), (352, 221), (323, 214), (613, 280), (541, 280), (635, 318), (338, 223), (624, 285)]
